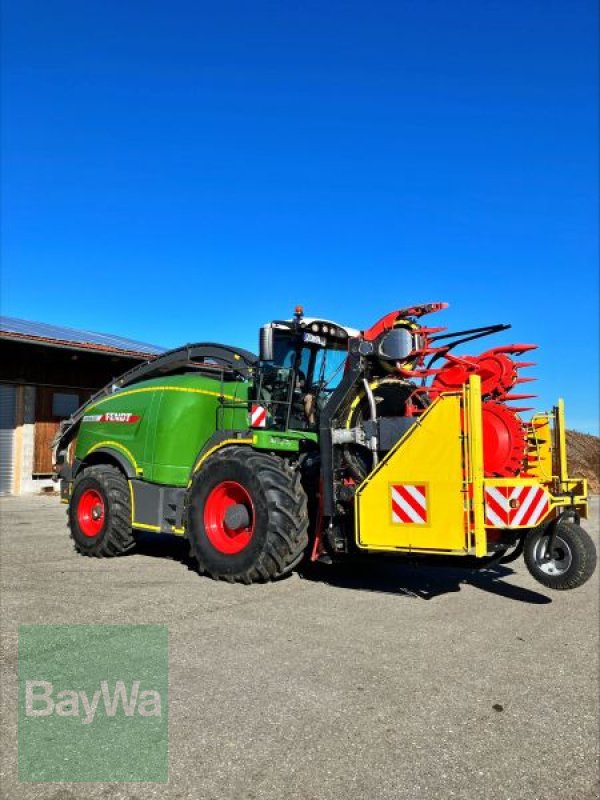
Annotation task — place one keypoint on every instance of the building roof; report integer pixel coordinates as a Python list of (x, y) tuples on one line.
[(73, 339)]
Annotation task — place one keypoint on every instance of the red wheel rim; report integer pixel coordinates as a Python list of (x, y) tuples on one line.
[(223, 538), (90, 512)]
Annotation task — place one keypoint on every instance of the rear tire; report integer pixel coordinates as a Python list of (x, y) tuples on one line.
[(267, 507), (99, 513), (573, 558)]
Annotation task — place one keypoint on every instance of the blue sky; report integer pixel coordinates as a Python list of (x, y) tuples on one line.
[(186, 171)]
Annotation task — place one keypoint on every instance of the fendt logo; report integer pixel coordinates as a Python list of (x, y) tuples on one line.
[(113, 416), (42, 701)]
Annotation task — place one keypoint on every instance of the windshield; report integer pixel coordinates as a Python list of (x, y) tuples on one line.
[(317, 365), (329, 367)]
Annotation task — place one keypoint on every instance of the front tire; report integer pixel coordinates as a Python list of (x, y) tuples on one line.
[(572, 561), (247, 516), (99, 513)]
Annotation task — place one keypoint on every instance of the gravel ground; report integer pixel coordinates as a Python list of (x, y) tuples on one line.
[(398, 683)]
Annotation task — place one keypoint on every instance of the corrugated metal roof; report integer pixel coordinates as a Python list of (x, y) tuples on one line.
[(41, 332)]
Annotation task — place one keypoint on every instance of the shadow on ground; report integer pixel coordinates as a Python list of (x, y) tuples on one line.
[(164, 545), (420, 581), (414, 580)]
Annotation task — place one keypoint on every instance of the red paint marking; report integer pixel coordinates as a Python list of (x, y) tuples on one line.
[(398, 511), (410, 500), (531, 516), (495, 507)]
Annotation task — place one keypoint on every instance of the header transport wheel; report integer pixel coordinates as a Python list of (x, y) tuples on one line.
[(247, 516), (571, 561), (99, 512)]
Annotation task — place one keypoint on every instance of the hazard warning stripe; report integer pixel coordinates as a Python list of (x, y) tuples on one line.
[(541, 510), (418, 495), (531, 498), (258, 417), (538, 511), (409, 504), (416, 507), (496, 507), (515, 506), (402, 511)]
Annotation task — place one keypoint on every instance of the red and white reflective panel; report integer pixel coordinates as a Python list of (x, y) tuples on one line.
[(258, 417), (409, 503), (514, 506)]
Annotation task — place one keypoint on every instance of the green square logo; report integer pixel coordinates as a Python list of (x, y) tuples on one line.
[(93, 703)]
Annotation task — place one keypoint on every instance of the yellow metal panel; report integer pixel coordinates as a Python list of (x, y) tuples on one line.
[(474, 444), (540, 438), (429, 456), (561, 440)]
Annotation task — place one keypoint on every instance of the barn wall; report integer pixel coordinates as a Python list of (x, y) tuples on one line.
[(28, 373)]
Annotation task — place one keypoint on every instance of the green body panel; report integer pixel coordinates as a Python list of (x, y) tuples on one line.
[(286, 441), (177, 416)]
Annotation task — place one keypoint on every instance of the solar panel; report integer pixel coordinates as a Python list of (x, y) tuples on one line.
[(43, 330)]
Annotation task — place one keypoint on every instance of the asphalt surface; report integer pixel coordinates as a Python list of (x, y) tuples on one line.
[(399, 683)]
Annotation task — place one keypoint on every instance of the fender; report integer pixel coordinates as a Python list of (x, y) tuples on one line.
[(217, 440), (116, 451)]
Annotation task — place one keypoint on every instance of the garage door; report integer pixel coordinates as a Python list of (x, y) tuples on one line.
[(8, 397)]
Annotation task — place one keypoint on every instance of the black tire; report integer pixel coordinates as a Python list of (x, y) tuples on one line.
[(108, 488), (279, 516), (573, 559)]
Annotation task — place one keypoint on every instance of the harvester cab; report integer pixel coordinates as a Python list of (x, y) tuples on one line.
[(332, 442), (301, 363)]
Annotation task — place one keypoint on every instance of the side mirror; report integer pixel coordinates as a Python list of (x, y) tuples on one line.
[(266, 343)]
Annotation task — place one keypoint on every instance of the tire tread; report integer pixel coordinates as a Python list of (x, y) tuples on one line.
[(583, 553), (287, 529), (119, 538)]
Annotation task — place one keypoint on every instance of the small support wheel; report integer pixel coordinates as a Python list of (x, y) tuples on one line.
[(572, 560)]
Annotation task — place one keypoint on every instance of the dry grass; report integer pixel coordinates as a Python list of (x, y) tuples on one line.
[(583, 458)]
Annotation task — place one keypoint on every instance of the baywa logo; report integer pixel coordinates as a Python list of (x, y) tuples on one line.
[(93, 703), (41, 701)]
